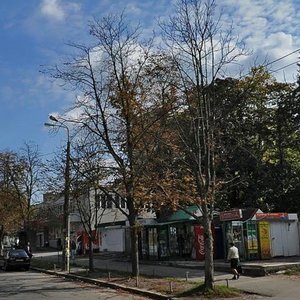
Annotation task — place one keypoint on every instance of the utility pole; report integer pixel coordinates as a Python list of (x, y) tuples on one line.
[(66, 206)]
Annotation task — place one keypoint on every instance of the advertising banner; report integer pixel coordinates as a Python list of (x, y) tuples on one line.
[(82, 241), (272, 216), (252, 241), (231, 215), (252, 237), (264, 239), (199, 242)]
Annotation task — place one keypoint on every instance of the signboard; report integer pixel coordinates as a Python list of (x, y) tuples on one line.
[(271, 216), (199, 242), (264, 239), (231, 215)]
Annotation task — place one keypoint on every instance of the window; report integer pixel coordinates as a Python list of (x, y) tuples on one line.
[(109, 202), (72, 206), (117, 201), (97, 201), (103, 201), (123, 203)]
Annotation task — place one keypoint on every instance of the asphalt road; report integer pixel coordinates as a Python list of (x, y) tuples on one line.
[(266, 287), (32, 285)]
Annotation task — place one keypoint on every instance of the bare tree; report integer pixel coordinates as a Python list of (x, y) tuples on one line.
[(201, 50), (116, 110), (33, 169), (23, 171), (87, 175)]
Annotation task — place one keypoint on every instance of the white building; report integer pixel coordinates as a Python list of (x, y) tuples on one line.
[(103, 214), (112, 222)]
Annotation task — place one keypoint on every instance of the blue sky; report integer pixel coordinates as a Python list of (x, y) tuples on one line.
[(34, 33)]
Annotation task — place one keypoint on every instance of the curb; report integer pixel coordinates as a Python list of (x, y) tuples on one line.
[(149, 294)]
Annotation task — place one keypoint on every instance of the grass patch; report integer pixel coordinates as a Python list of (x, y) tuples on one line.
[(44, 264), (169, 286), (102, 273), (219, 291), (166, 285), (293, 271)]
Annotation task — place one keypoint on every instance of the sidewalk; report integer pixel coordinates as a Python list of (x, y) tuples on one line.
[(277, 287), (250, 268)]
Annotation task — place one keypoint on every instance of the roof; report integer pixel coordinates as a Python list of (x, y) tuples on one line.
[(116, 223), (183, 215), (249, 213)]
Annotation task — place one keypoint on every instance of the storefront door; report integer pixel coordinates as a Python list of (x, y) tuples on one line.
[(152, 240), (234, 233)]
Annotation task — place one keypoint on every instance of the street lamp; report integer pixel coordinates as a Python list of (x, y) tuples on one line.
[(66, 213)]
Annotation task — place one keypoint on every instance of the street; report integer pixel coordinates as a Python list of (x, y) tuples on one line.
[(32, 285), (266, 287)]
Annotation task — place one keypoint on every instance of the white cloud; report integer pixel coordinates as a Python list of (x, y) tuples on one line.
[(279, 40), (58, 10), (52, 9), (270, 29), (283, 12), (132, 8)]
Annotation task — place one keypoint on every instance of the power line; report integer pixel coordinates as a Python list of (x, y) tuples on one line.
[(284, 66), (276, 60), (282, 57)]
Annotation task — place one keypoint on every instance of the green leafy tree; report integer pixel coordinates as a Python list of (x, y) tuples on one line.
[(260, 140), (201, 50), (19, 183)]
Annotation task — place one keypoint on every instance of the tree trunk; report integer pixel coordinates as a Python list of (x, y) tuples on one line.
[(134, 249), (1, 238), (209, 256)]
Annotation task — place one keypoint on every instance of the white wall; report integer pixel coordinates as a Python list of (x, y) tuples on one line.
[(112, 239), (284, 238), (293, 239)]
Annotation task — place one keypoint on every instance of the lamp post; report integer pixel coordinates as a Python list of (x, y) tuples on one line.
[(66, 208)]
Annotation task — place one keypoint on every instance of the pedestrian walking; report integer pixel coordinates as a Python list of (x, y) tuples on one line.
[(28, 249), (58, 243), (73, 249), (233, 258)]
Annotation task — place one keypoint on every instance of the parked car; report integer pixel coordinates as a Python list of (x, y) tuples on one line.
[(15, 259)]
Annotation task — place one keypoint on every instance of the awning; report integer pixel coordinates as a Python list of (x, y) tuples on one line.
[(160, 224), (185, 215)]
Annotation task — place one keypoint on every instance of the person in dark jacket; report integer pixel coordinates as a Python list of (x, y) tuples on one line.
[(58, 244)]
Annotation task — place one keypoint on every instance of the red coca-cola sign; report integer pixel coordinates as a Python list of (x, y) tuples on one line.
[(199, 242)]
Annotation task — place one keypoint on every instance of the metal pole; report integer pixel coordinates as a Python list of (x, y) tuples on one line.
[(67, 204), (66, 213)]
